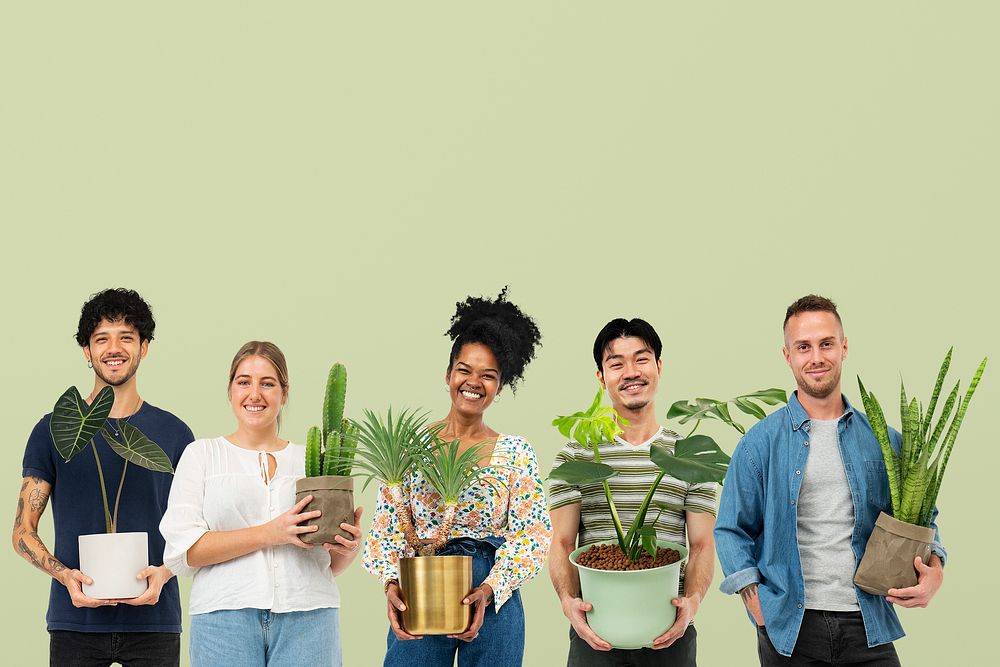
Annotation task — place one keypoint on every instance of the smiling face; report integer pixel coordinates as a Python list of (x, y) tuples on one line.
[(815, 349), (473, 379), (255, 393), (630, 372), (115, 351)]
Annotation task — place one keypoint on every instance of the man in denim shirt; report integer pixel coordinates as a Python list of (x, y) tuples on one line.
[(801, 497)]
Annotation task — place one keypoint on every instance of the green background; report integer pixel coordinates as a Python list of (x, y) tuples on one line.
[(335, 177)]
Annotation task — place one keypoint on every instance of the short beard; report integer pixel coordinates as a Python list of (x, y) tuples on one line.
[(823, 390), (638, 405), (117, 383)]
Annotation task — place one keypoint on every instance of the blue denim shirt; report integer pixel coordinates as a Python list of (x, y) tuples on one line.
[(755, 534)]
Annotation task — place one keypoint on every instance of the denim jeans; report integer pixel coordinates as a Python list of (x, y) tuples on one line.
[(682, 653), (100, 649), (259, 637), (501, 638), (828, 638)]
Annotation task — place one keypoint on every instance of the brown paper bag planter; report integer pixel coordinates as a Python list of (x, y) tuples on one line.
[(334, 496), (888, 559)]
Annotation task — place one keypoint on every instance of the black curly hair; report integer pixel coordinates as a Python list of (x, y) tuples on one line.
[(501, 326), (115, 304)]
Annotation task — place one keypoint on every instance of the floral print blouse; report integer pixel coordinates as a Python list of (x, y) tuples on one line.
[(515, 510)]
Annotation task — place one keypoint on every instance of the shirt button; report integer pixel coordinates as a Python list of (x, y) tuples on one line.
[(793, 502), (271, 508), (800, 606), (806, 443), (275, 565), (798, 472)]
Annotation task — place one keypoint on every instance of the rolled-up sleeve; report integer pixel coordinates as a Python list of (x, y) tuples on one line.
[(184, 522), (740, 520)]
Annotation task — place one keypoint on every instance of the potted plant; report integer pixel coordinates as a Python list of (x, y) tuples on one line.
[(389, 449), (614, 575), (914, 472), (329, 459), (111, 559)]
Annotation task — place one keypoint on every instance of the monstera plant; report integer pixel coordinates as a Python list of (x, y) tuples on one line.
[(631, 583)]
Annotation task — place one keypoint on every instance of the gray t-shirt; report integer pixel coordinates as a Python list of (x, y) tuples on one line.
[(825, 523)]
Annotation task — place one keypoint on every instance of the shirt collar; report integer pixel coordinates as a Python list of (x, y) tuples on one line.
[(797, 414)]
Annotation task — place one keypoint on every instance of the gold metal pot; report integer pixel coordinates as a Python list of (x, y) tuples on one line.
[(433, 588)]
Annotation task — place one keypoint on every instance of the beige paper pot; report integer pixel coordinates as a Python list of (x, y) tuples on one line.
[(112, 561), (631, 608), (889, 554), (333, 495), (432, 588)]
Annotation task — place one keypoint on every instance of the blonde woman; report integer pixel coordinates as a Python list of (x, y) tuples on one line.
[(260, 595)]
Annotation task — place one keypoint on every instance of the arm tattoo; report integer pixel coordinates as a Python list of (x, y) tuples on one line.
[(749, 594), (55, 565), (29, 554), (20, 513), (38, 499)]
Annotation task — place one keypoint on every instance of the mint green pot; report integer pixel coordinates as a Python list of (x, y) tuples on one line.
[(631, 608)]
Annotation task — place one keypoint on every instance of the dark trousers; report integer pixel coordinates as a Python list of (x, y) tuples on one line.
[(828, 638), (682, 653), (100, 649)]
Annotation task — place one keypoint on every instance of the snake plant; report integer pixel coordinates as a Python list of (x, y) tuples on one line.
[(916, 470)]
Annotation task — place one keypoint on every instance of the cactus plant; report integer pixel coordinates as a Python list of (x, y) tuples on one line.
[(330, 449)]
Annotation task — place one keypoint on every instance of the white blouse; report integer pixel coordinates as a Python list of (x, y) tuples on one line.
[(219, 486)]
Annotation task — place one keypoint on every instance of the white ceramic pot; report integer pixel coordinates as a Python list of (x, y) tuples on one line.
[(113, 560)]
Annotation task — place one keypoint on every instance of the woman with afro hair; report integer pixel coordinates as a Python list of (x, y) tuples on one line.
[(504, 527)]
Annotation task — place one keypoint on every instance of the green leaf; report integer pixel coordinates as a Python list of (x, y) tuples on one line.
[(647, 534), (749, 408), (582, 472), (136, 448), (74, 424), (772, 396), (695, 459)]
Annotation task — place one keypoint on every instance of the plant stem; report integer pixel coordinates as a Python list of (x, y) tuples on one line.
[(108, 526), (697, 423), (118, 496), (614, 516)]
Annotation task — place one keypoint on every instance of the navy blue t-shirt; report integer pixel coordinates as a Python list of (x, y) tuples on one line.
[(77, 510)]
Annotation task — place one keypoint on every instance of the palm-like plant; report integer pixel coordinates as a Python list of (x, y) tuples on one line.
[(385, 451), (450, 471), (915, 473), (74, 425), (695, 459)]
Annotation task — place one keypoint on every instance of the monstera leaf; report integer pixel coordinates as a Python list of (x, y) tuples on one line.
[(582, 472), (133, 446), (695, 459), (74, 424)]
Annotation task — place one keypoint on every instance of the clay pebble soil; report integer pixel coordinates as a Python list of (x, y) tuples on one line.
[(611, 557)]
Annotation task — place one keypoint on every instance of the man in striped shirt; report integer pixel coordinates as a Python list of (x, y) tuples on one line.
[(627, 354)]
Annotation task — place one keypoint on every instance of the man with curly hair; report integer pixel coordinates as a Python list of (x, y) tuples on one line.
[(627, 354), (114, 332)]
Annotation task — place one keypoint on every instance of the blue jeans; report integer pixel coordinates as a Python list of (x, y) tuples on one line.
[(259, 637), (501, 639)]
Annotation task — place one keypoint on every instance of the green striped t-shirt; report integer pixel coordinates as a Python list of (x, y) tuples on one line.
[(636, 473)]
